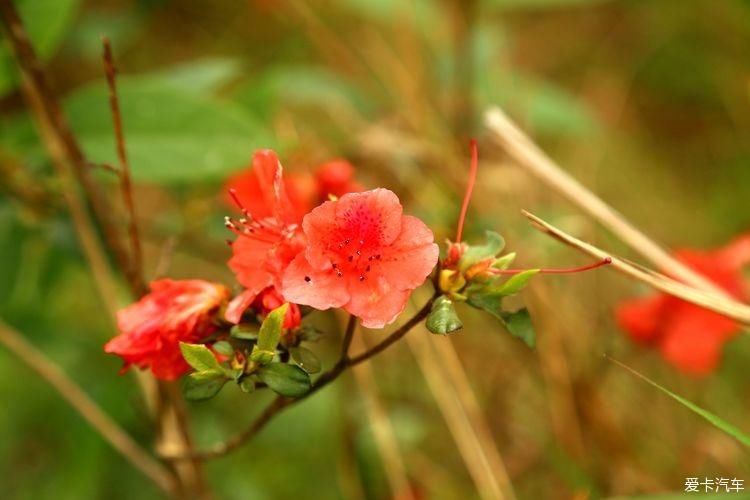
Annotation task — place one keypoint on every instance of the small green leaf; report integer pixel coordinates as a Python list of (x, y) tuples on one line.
[(519, 325), (284, 379), (515, 283), (504, 261), (443, 318), (244, 331), (310, 333), (305, 358), (714, 420), (223, 347), (247, 385), (203, 385), (475, 253), (200, 357), (270, 330), (261, 356)]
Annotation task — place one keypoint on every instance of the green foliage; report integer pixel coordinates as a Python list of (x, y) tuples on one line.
[(223, 347), (284, 379), (200, 357), (173, 136), (244, 331), (46, 23), (477, 253), (306, 359), (443, 318), (519, 325), (269, 335), (515, 283), (522, 4), (203, 385)]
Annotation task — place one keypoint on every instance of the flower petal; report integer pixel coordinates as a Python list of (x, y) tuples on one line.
[(307, 285), (376, 302)]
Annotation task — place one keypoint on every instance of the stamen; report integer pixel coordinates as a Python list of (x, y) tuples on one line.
[(469, 188), (236, 199), (604, 262)]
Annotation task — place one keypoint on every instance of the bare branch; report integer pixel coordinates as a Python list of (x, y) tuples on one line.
[(136, 263), (86, 407), (529, 156), (717, 303)]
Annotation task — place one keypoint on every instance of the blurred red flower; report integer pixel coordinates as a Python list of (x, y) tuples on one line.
[(264, 302), (690, 337), (335, 178), (362, 254), (174, 311)]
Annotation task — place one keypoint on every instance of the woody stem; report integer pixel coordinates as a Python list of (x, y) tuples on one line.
[(280, 402)]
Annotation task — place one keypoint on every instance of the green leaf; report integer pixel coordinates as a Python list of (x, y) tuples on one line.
[(284, 379), (522, 4), (203, 385), (519, 325), (223, 347), (476, 253), (172, 136), (306, 359), (505, 261), (46, 23), (247, 385), (515, 283), (270, 330), (243, 331), (200, 357), (443, 318), (714, 420), (261, 356), (200, 75)]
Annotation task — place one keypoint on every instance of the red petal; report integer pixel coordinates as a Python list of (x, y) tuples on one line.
[(321, 289), (238, 305), (642, 318)]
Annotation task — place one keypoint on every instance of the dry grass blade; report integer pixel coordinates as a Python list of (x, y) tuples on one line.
[(528, 155), (382, 430), (717, 303), (459, 424), (86, 407)]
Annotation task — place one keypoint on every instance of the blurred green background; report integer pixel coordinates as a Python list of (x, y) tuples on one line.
[(646, 102)]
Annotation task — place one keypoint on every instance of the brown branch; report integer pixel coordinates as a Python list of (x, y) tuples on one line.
[(717, 303), (529, 156), (280, 403), (68, 159), (351, 326), (86, 407), (135, 269), (55, 130)]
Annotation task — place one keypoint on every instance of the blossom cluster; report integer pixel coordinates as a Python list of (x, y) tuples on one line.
[(356, 250)]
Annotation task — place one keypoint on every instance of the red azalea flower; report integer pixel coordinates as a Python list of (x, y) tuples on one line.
[(174, 311), (265, 302), (253, 189), (270, 238), (363, 255), (336, 178), (690, 337), (303, 191)]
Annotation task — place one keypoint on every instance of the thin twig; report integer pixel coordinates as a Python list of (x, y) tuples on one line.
[(351, 326), (58, 137), (135, 268), (280, 403), (86, 407), (727, 307), (529, 156)]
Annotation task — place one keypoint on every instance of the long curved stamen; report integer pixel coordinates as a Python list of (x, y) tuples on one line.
[(469, 188), (604, 262), (236, 199)]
